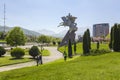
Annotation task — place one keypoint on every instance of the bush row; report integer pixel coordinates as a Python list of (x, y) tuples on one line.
[(19, 52), (95, 52)]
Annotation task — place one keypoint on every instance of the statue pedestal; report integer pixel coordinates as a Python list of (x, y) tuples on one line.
[(69, 35)]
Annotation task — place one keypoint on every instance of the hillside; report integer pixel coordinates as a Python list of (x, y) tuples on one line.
[(26, 31)]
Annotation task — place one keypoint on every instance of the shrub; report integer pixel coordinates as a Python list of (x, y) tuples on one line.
[(99, 52), (54, 43), (34, 51), (58, 42), (2, 51), (17, 53), (98, 45)]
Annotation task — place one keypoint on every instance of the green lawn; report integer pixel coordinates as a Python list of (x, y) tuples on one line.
[(46, 52), (9, 60), (80, 50), (102, 67), (2, 41)]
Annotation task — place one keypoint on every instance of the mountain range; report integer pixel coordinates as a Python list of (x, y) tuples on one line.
[(60, 34), (26, 31), (42, 32), (52, 33)]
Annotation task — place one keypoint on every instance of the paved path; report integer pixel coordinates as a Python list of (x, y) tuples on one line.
[(54, 55)]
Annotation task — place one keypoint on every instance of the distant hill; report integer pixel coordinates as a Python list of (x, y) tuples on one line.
[(46, 32), (60, 34), (52, 33), (26, 31)]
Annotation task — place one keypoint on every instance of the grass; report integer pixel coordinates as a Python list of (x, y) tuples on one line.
[(9, 60), (2, 41), (45, 52), (103, 67), (80, 50)]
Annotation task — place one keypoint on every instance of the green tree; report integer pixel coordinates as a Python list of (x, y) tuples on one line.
[(86, 43), (89, 38), (34, 51), (16, 37), (111, 38), (116, 38), (98, 45), (54, 43), (44, 39), (31, 38), (1, 35), (119, 36), (2, 51), (69, 49)]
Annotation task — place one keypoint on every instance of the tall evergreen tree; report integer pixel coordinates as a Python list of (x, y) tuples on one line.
[(115, 38), (89, 39), (86, 49), (69, 49), (84, 43), (116, 42), (111, 38), (118, 37)]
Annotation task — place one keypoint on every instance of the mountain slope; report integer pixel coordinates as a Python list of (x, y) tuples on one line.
[(46, 32), (26, 31)]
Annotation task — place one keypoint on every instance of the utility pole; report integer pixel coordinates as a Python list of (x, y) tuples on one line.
[(4, 18)]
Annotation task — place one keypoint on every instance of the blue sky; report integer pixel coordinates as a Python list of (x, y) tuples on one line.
[(46, 14)]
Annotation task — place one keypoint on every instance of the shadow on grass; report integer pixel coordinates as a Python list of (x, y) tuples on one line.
[(20, 58), (2, 56), (31, 58), (16, 58)]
